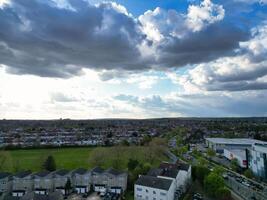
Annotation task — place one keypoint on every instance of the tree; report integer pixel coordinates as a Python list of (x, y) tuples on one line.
[(68, 185), (219, 170), (211, 153), (199, 173), (146, 139), (125, 143), (248, 173), (132, 164), (196, 153), (234, 164), (50, 164), (202, 162), (212, 183), (223, 193)]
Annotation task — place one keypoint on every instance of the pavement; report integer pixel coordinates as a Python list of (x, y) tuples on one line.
[(93, 196)]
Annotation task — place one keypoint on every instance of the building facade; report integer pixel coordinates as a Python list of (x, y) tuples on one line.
[(154, 188), (81, 179), (219, 144), (239, 154), (5, 183), (22, 183), (43, 182), (258, 160)]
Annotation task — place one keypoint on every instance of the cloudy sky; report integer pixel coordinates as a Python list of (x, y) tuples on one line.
[(85, 59)]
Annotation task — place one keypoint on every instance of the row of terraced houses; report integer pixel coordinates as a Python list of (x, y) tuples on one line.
[(82, 181)]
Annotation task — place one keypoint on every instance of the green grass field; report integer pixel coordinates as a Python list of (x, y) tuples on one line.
[(71, 158)]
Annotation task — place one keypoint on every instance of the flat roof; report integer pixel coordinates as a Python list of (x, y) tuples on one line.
[(260, 147), (238, 141)]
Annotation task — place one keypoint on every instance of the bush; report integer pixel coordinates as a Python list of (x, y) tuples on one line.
[(248, 173), (132, 164)]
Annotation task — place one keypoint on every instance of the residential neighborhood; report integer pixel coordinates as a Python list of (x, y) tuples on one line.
[(46, 183)]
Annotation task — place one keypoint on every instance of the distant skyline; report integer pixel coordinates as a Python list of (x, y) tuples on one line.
[(91, 59)]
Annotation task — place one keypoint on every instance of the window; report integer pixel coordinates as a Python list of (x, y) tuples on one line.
[(146, 190), (154, 192), (163, 194), (139, 189)]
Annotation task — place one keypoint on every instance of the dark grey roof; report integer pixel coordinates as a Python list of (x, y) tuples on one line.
[(80, 171), (184, 166), (154, 182), (113, 172), (155, 172), (4, 174), (23, 174), (97, 170), (172, 172), (42, 174), (61, 172)]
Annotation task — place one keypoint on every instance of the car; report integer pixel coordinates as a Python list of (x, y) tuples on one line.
[(197, 196), (246, 183)]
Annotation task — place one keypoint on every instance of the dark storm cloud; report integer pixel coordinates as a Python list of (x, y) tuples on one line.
[(37, 38), (40, 38), (215, 41)]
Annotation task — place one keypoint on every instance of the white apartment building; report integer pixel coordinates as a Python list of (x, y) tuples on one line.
[(154, 188), (164, 183)]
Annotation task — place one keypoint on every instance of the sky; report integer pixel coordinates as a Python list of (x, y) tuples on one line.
[(91, 59)]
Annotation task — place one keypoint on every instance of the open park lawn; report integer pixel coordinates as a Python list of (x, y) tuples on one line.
[(71, 158)]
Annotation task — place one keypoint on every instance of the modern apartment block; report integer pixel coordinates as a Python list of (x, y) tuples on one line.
[(152, 188), (167, 182)]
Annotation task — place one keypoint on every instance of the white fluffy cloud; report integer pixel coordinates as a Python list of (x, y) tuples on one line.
[(4, 3), (247, 71), (204, 14), (160, 23)]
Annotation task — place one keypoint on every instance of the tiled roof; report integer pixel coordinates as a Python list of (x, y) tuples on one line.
[(23, 174), (42, 174), (113, 172), (97, 170), (80, 171), (4, 174), (61, 172)]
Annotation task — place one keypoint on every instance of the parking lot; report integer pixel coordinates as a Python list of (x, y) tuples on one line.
[(245, 188)]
